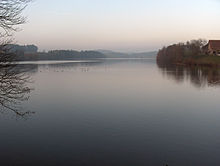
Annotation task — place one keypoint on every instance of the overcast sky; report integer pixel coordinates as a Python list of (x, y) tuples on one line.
[(120, 25)]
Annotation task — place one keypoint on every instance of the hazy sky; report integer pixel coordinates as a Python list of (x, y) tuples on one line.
[(121, 25)]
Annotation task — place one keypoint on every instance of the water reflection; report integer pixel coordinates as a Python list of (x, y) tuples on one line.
[(14, 87), (117, 113), (198, 76)]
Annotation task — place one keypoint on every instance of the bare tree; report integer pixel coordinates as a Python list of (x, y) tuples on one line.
[(13, 82), (11, 15)]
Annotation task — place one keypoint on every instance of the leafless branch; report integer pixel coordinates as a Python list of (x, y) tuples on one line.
[(13, 82), (11, 15)]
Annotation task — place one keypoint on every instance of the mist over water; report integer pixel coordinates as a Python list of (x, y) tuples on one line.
[(115, 112)]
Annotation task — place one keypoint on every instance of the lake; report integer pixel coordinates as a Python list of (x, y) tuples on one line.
[(115, 112)]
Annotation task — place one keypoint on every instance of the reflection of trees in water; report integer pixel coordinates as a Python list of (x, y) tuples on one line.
[(14, 88), (198, 76)]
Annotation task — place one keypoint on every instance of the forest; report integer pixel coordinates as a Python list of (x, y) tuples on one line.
[(23, 55), (189, 53)]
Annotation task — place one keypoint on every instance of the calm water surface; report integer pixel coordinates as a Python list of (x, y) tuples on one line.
[(115, 113)]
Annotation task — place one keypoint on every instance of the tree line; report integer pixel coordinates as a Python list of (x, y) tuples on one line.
[(185, 53), (58, 55)]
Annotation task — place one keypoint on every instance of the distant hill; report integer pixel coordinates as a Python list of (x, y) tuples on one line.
[(22, 49), (30, 53), (70, 54), (152, 54), (60, 55), (112, 54)]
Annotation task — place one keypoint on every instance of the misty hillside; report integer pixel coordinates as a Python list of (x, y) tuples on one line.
[(112, 54), (22, 49), (30, 53)]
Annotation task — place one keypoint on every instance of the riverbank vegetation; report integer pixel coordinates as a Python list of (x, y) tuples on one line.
[(190, 53)]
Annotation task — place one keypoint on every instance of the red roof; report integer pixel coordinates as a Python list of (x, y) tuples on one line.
[(214, 44)]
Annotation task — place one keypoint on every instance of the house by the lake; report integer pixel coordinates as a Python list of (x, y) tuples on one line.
[(212, 48)]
